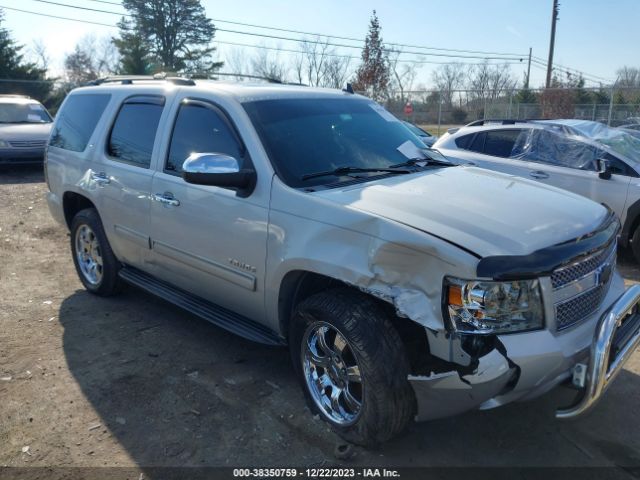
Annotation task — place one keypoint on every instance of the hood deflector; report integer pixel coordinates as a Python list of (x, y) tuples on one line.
[(544, 261)]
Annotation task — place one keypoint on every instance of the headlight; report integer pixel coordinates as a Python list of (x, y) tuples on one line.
[(3, 144), (480, 307)]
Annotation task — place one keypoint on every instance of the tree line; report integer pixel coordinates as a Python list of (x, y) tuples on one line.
[(176, 36)]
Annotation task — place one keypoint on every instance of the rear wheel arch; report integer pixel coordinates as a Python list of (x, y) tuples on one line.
[(72, 203)]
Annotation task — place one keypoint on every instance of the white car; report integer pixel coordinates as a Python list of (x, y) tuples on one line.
[(549, 153)]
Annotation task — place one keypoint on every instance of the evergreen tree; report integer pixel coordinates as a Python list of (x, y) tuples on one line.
[(176, 32), (373, 75), (134, 49), (29, 79)]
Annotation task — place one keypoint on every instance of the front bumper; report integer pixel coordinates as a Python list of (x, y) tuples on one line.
[(21, 156), (617, 337), (530, 364)]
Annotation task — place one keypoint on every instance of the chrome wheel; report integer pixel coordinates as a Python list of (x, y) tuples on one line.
[(89, 254), (332, 373)]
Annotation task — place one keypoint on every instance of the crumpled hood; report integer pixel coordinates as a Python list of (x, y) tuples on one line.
[(25, 131), (485, 212)]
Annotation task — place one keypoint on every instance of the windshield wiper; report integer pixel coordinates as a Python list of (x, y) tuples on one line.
[(427, 161), (347, 170)]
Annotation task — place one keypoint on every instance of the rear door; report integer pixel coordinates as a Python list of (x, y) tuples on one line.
[(122, 173), (571, 164)]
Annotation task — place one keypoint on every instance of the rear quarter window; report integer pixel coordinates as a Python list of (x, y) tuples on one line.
[(77, 120)]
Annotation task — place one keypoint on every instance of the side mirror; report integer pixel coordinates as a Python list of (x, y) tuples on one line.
[(219, 170), (604, 168)]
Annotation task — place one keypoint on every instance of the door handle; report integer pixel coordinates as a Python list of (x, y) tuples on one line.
[(538, 174), (167, 199), (100, 178)]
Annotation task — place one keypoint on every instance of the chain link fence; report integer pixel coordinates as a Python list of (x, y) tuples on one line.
[(438, 110)]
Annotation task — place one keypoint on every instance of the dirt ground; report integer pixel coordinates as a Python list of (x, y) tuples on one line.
[(133, 381)]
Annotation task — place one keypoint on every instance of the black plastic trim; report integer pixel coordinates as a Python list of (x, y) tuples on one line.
[(633, 214), (544, 261), (215, 314)]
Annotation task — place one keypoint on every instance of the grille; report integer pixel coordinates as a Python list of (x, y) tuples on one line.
[(578, 308), (27, 143), (578, 270)]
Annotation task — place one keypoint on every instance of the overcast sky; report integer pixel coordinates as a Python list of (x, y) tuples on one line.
[(594, 36)]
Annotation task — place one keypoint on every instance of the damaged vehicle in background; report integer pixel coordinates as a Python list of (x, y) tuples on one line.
[(583, 157), (406, 287)]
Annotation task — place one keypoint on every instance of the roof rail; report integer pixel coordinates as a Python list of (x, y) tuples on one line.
[(13, 96), (244, 75), (129, 79), (499, 121)]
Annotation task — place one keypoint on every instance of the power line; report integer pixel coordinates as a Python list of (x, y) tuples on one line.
[(300, 32), (354, 57), (58, 17), (276, 37)]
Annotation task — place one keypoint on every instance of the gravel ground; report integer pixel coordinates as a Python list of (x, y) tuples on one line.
[(132, 381)]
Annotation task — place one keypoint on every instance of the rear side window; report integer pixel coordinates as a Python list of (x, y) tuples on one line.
[(134, 131), (500, 143), (200, 129), (477, 145), (77, 120), (464, 142)]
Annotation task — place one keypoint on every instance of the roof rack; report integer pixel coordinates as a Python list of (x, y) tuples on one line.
[(499, 121), (244, 75), (129, 79)]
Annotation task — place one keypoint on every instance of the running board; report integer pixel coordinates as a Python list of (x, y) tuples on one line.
[(215, 314)]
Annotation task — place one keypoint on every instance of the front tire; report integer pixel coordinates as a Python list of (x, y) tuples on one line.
[(353, 366), (94, 260)]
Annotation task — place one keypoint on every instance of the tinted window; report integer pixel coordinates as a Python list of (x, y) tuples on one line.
[(199, 129), (617, 166), (464, 142), (309, 135), (77, 120), (134, 131), (477, 145), (500, 143)]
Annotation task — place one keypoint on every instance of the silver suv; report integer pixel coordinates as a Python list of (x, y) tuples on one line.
[(406, 287)]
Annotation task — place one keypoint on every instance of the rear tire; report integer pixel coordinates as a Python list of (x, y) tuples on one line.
[(337, 338), (95, 262)]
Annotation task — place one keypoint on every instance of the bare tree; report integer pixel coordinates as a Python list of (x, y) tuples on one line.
[(449, 78), (319, 65), (237, 61), (628, 77), (91, 59), (268, 64), (489, 82), (40, 55), (403, 73)]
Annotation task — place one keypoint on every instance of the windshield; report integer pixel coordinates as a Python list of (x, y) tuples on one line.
[(23, 113), (307, 135), (417, 130)]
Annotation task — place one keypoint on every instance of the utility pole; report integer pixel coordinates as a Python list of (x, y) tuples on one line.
[(554, 18), (528, 70)]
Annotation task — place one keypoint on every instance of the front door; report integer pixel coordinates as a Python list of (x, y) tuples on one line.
[(205, 239)]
